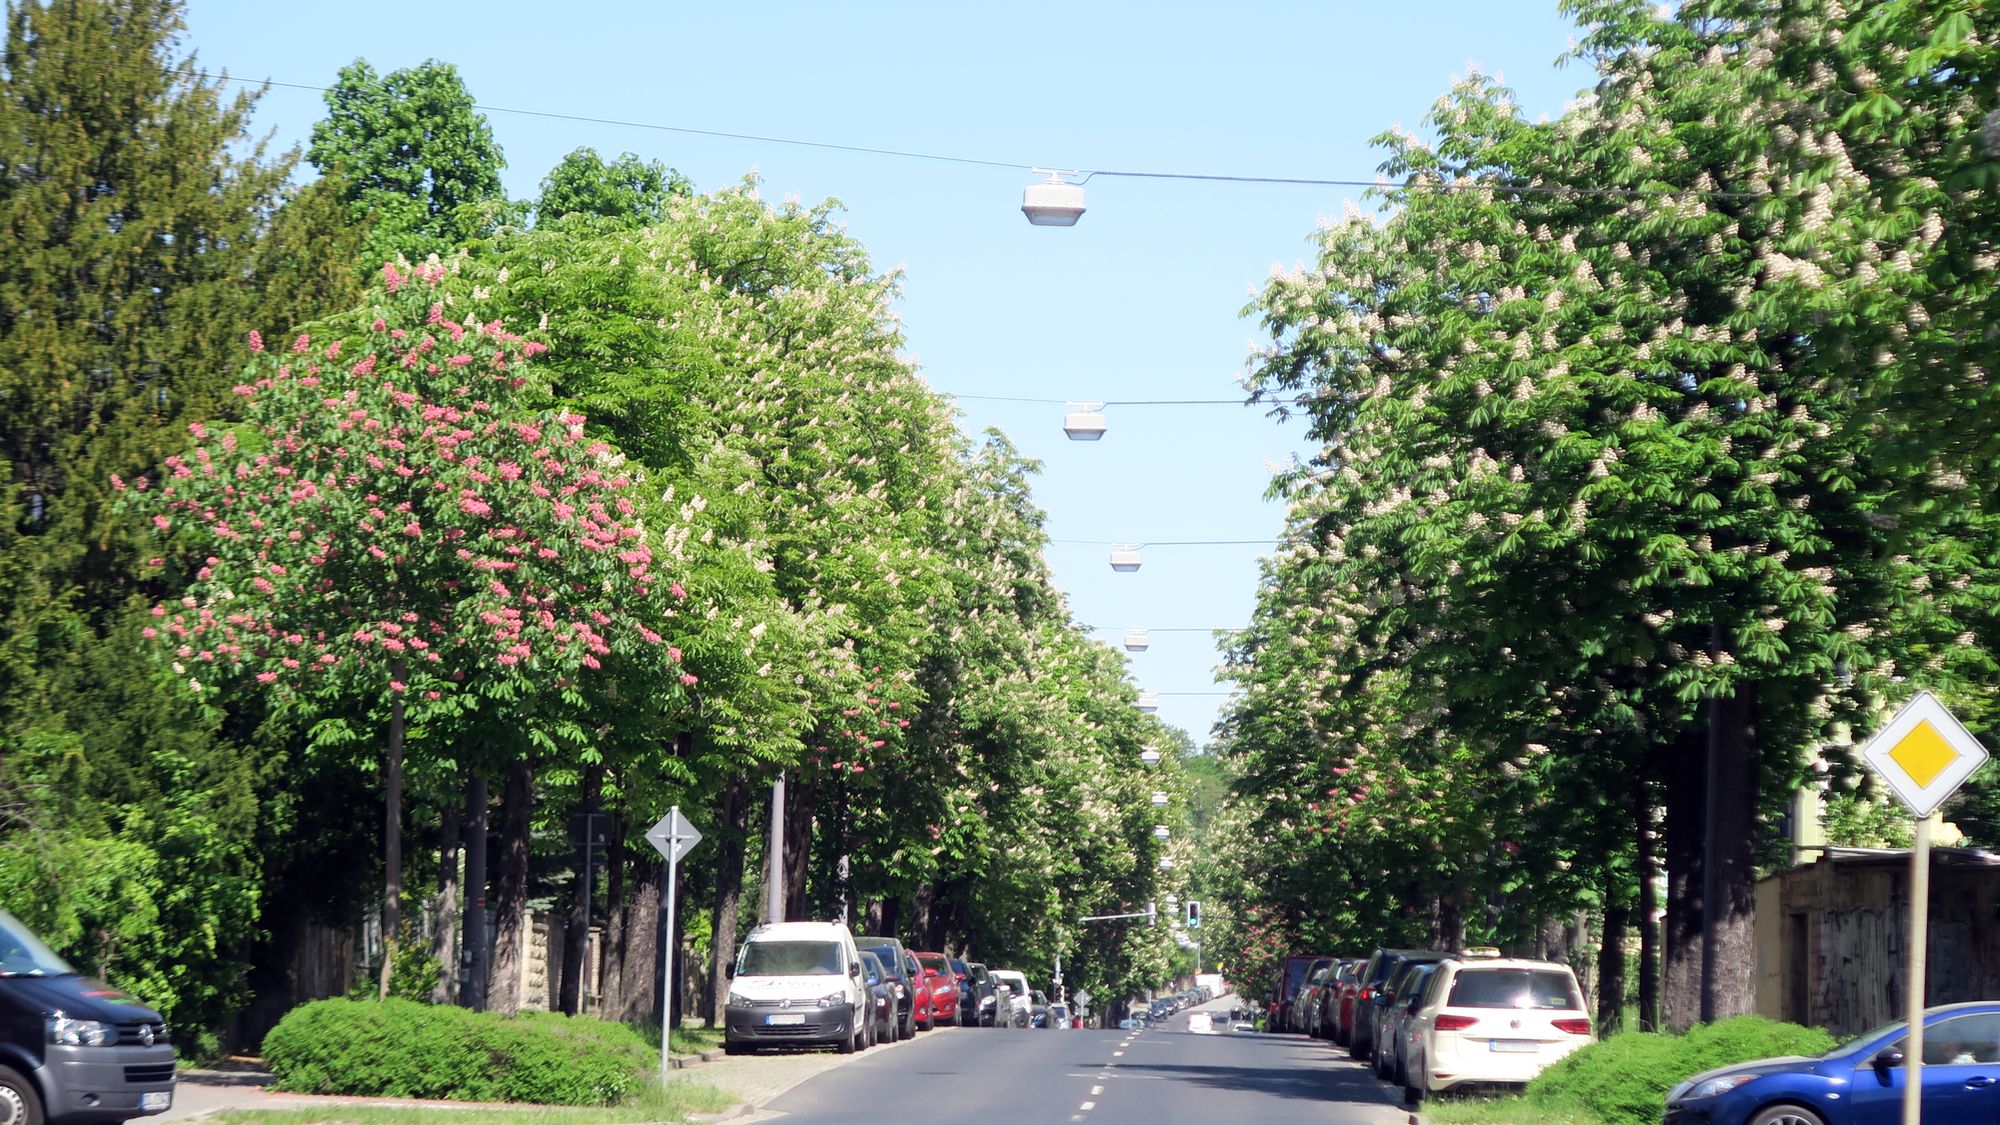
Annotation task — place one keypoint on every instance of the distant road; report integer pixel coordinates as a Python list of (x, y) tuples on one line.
[(982, 1076)]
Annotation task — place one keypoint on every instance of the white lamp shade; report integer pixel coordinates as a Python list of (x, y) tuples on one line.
[(1149, 702), (1159, 797), (1136, 640), (1053, 204), (1150, 756), (1166, 863), (1125, 560), (1083, 425), (1161, 832)]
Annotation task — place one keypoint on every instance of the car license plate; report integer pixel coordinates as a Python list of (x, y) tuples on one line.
[(1521, 1046), (156, 1099), (794, 1017)]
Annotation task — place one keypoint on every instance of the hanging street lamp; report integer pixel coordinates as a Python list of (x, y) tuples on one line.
[(1136, 640), (1125, 558), (1053, 202), (1085, 421)]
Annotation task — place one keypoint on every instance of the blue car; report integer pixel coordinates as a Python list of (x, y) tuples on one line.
[(1861, 1081)]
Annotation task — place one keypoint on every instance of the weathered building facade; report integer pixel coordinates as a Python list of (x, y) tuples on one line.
[(1833, 936)]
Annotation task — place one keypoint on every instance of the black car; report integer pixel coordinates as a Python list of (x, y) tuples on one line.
[(895, 962), (886, 1025), (986, 997), (73, 1051), (1371, 1004), (970, 990)]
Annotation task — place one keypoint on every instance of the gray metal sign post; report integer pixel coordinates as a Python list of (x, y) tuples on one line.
[(673, 836), (1924, 755)]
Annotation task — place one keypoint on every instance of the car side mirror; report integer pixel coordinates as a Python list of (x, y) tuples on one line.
[(729, 970), (1888, 1057), (854, 968)]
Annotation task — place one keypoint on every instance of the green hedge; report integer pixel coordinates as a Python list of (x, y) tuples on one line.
[(1624, 1079), (396, 1048)]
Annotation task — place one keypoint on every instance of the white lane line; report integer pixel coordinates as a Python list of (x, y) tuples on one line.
[(1116, 1054), (1087, 1106), (1096, 1090)]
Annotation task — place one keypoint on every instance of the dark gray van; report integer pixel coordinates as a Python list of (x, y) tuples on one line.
[(73, 1051)]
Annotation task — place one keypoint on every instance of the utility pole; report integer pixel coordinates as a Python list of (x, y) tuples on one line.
[(774, 878)]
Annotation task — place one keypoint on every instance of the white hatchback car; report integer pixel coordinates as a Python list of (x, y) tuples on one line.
[(1495, 1021)]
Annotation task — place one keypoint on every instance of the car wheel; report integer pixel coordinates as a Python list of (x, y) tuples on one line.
[(908, 1030), (846, 1044), (1788, 1115), (19, 1104)]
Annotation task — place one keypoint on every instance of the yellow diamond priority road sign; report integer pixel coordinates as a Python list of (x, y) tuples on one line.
[(1924, 754)]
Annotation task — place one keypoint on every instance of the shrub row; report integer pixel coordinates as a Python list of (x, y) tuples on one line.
[(1624, 1079), (397, 1048)]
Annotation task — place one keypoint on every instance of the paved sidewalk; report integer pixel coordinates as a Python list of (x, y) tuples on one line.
[(755, 1080)]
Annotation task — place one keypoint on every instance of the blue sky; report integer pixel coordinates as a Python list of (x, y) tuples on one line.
[(1141, 300)]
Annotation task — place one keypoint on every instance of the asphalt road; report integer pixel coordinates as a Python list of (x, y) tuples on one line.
[(1163, 1074)]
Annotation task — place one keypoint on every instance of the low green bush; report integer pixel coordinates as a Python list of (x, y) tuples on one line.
[(1624, 1079), (396, 1048)]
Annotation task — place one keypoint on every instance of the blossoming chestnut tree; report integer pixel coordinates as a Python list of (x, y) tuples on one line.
[(398, 526)]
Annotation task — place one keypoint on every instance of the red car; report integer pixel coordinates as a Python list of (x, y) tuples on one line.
[(943, 985)]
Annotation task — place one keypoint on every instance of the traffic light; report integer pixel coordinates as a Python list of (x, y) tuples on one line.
[(1193, 914)]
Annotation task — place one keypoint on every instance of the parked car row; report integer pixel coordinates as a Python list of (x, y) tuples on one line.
[(815, 982), (1145, 1013), (1431, 1020)]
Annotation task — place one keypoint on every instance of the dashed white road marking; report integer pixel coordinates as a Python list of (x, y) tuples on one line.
[(1116, 1054), (1096, 1090), (1087, 1106)]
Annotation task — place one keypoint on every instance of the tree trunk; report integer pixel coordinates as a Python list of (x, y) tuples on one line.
[(637, 943), (1730, 967), (729, 856), (444, 909), (392, 834), (1684, 773), (1649, 930), (576, 932), (611, 1003), (510, 898), (799, 800), (1611, 958), (472, 951)]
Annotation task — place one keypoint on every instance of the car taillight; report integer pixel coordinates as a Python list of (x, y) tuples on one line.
[(1455, 1023), (1366, 994), (1573, 1027)]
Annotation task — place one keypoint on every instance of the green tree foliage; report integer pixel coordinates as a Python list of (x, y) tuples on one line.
[(628, 189), (746, 354), (147, 234), (415, 161), (1602, 476)]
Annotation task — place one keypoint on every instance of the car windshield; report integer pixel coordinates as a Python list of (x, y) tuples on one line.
[(887, 955), (1513, 988), (1294, 973), (22, 954), (1862, 1041), (790, 959), (935, 964)]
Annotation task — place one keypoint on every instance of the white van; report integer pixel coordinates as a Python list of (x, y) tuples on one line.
[(798, 982)]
